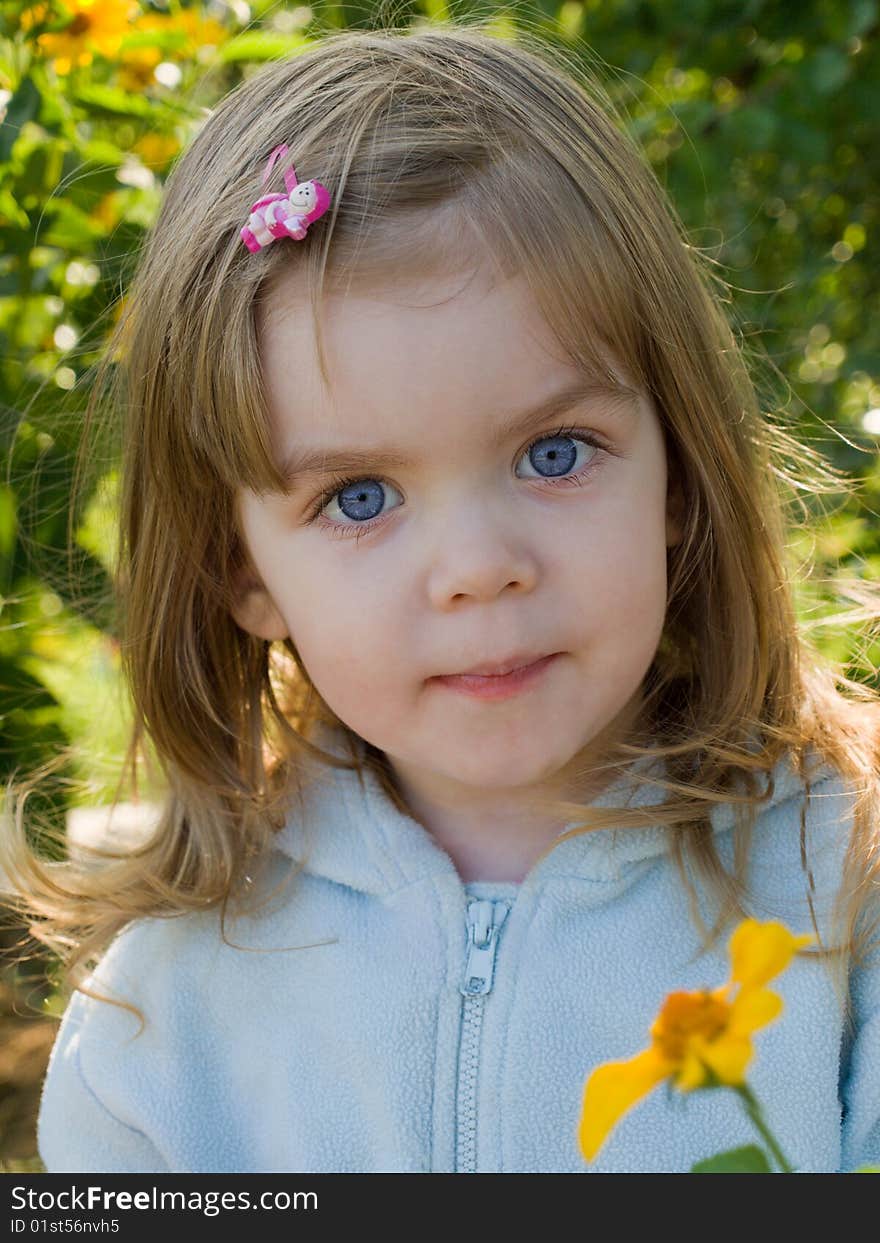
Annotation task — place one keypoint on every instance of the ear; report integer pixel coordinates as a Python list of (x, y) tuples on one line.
[(255, 611)]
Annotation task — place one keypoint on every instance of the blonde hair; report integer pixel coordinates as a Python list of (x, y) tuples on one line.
[(432, 143)]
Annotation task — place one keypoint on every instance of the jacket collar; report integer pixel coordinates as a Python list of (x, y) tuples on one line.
[(349, 832)]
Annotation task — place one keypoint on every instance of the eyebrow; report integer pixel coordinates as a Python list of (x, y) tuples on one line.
[(303, 461)]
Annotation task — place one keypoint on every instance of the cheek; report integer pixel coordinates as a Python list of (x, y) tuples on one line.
[(621, 568), (341, 631), (351, 660)]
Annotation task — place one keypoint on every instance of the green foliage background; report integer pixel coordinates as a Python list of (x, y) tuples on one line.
[(760, 118)]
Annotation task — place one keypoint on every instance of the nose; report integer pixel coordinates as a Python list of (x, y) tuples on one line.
[(477, 555)]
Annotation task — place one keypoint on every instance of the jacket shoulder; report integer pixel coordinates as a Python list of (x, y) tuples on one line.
[(96, 1075), (798, 846), (808, 835)]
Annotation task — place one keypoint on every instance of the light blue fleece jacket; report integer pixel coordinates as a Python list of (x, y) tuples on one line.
[(389, 1040)]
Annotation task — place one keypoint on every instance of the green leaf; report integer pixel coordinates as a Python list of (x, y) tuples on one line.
[(117, 103), (747, 1160), (71, 228), (260, 45), (23, 106), (168, 40), (829, 69), (8, 521), (11, 212), (111, 100), (862, 16), (102, 153)]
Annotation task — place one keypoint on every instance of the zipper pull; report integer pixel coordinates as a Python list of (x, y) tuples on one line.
[(484, 920)]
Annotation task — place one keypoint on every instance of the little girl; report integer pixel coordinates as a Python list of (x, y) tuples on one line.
[(455, 605)]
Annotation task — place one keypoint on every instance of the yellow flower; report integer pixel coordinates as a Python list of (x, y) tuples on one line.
[(136, 66), (155, 150), (196, 38), (698, 1039), (192, 28), (96, 26)]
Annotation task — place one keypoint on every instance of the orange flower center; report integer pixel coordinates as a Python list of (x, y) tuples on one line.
[(685, 1015)]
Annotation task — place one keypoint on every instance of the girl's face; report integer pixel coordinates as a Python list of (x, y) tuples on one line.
[(462, 538)]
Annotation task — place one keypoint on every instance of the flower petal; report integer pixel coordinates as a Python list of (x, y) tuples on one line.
[(760, 951), (753, 1008), (728, 1057), (693, 1072), (611, 1090)]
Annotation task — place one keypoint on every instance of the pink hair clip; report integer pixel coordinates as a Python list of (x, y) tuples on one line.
[(284, 215)]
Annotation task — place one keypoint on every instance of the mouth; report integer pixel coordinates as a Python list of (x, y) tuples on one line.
[(503, 680), (499, 668)]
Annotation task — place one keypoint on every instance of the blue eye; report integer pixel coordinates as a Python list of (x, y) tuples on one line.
[(359, 501), (557, 454)]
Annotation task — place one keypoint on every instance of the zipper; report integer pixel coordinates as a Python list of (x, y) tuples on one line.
[(484, 920)]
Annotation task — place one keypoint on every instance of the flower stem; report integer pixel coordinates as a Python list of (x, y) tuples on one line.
[(753, 1109)]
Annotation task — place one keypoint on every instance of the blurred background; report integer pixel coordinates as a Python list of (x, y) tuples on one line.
[(759, 118)]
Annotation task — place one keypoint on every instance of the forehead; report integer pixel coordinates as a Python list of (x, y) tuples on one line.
[(412, 348)]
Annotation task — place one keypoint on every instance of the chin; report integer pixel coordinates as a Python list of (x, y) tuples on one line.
[(503, 768)]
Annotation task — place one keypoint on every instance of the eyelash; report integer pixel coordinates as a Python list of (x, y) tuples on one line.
[(337, 483)]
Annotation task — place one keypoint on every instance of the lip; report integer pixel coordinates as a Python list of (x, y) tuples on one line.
[(497, 668), (499, 685)]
